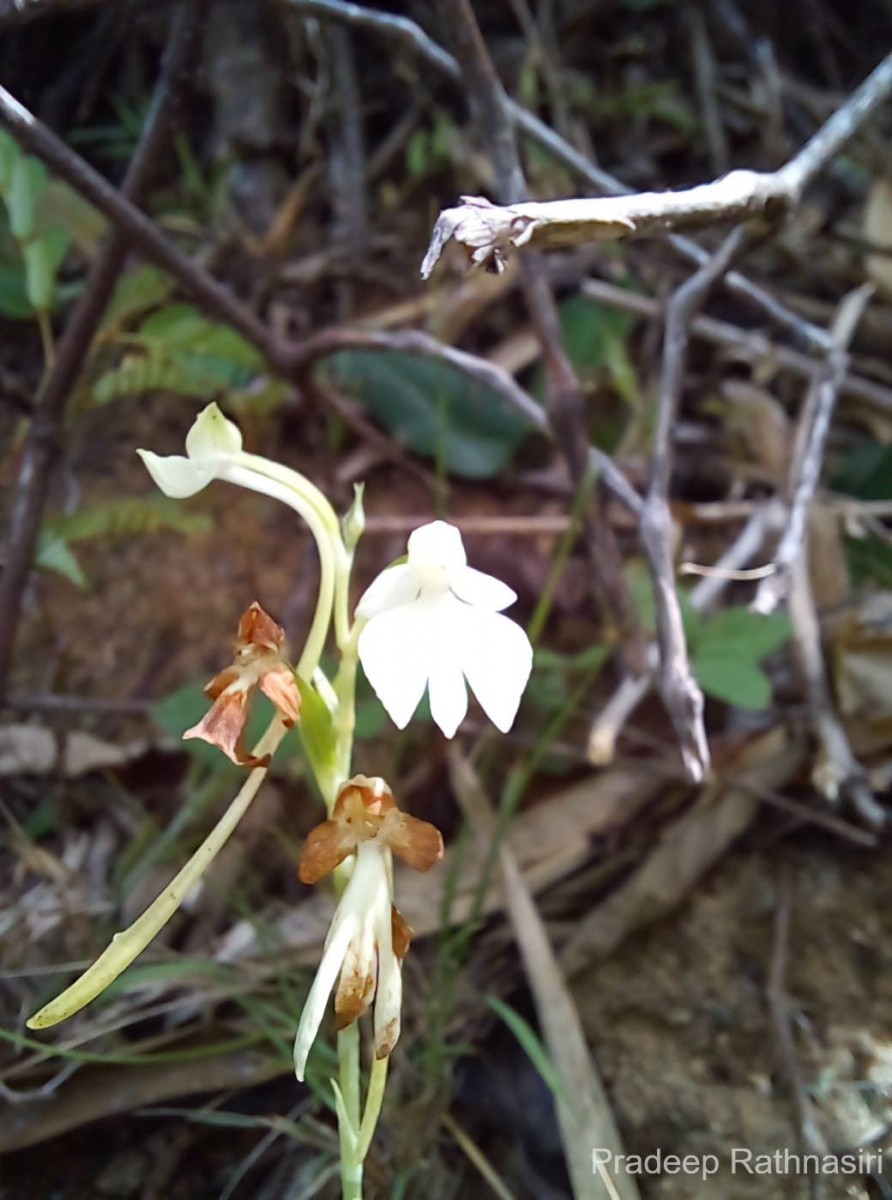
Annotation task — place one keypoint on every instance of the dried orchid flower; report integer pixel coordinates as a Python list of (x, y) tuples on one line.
[(368, 938), (258, 663)]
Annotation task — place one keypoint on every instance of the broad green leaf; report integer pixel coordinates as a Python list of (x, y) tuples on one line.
[(62, 208), (434, 409), (179, 326), (597, 339), (746, 633), (732, 677)]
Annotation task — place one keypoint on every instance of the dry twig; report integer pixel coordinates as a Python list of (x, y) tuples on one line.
[(808, 457), (681, 693), (487, 231)]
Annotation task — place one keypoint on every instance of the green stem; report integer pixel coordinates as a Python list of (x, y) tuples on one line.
[(373, 1101), (242, 471), (348, 1071)]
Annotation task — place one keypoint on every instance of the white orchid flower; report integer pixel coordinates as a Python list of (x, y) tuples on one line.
[(210, 444), (368, 938), (434, 622)]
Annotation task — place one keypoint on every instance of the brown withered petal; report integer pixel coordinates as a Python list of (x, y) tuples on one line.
[(221, 682), (418, 843), (257, 628), (356, 989), (280, 686), (223, 726), (374, 794), (387, 1038), (324, 849), (400, 932)]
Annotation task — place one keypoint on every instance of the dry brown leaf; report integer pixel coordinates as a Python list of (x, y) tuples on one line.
[(828, 568), (877, 228)]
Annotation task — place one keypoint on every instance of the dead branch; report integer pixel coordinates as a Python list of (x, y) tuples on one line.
[(838, 774), (808, 456), (410, 35), (680, 691), (42, 446), (488, 231)]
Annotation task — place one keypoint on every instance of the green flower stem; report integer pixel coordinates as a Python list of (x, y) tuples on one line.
[(241, 470), (373, 1102), (125, 946)]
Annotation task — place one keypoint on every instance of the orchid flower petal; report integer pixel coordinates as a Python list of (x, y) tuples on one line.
[(497, 659), (481, 590), (342, 931), (394, 650), (212, 436), (393, 587), (176, 476)]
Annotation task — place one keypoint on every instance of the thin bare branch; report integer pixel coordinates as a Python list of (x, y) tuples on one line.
[(42, 447), (488, 231), (808, 455), (680, 691), (838, 775)]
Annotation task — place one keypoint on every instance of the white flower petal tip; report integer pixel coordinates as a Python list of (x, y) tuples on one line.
[(435, 622), (177, 477), (212, 436), (210, 442), (437, 544)]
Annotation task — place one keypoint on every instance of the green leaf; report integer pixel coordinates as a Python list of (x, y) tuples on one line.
[(28, 179), (531, 1045), (747, 633), (866, 472), (317, 732), (597, 339), (54, 554), (14, 302), (136, 292), (127, 518), (732, 677), (434, 409)]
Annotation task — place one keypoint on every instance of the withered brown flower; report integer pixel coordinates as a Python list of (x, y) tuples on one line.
[(258, 663), (368, 937)]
